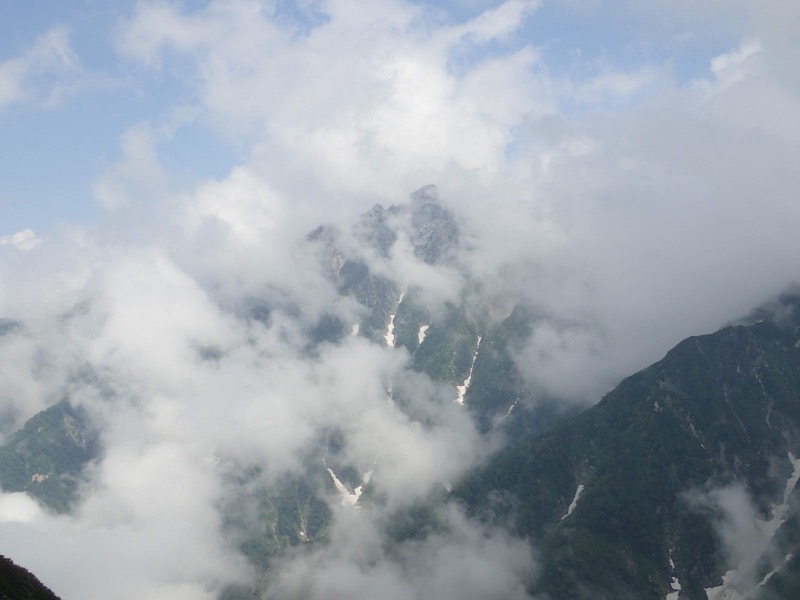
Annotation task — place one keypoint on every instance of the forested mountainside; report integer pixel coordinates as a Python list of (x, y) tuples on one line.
[(16, 583), (686, 471), (46, 457), (678, 484)]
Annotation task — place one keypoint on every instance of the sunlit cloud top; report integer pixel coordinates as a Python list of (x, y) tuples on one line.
[(363, 91)]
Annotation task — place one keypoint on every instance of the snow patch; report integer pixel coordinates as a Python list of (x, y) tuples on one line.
[(675, 584), (356, 327), (510, 408), (793, 479), (574, 502), (389, 337), (462, 389), (775, 570), (423, 330), (364, 481), (727, 591), (350, 498)]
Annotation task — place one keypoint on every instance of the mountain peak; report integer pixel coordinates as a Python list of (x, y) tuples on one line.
[(434, 231), (427, 193)]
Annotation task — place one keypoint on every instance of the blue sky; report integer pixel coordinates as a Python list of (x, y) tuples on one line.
[(63, 132)]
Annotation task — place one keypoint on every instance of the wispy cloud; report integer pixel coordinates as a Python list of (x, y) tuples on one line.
[(23, 240), (43, 73)]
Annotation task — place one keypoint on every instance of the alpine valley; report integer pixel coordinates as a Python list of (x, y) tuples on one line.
[(432, 458)]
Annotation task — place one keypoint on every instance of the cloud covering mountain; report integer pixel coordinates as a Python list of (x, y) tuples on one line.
[(629, 207)]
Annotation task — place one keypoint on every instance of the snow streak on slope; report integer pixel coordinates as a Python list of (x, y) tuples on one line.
[(731, 581), (462, 389), (675, 584), (350, 498), (423, 330), (574, 502), (364, 481), (726, 591), (389, 337), (510, 408), (769, 575)]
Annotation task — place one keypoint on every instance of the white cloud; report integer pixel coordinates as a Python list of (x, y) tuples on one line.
[(43, 73), (387, 119), (137, 176), (19, 508), (737, 65), (22, 240), (617, 85), (494, 23), (629, 229), (461, 560), (622, 205)]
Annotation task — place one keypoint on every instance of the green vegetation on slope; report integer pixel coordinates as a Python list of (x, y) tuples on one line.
[(46, 457), (450, 343), (17, 583), (717, 409)]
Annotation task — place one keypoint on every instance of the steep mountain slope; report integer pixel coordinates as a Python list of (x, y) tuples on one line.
[(46, 457), (445, 346), (632, 493), (679, 484), (16, 583), (458, 343), (463, 344)]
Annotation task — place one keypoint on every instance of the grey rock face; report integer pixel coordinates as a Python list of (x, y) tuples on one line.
[(434, 232), (374, 230)]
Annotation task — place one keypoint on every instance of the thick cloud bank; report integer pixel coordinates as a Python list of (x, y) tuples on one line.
[(463, 561), (629, 206)]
